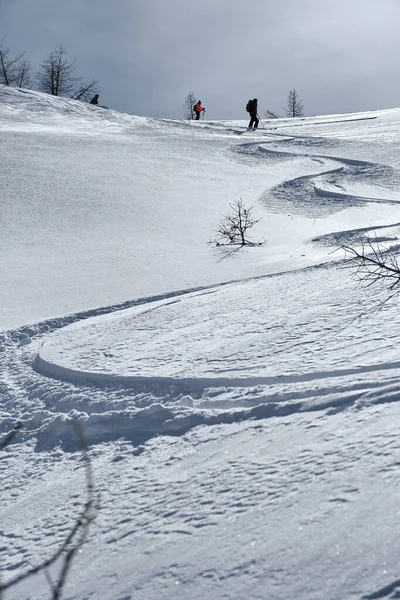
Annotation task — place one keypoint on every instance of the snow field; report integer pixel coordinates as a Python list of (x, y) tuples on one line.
[(241, 410)]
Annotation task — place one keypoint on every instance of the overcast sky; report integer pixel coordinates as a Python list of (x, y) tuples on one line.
[(340, 55)]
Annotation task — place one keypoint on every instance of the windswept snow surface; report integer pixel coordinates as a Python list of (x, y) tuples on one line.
[(241, 408)]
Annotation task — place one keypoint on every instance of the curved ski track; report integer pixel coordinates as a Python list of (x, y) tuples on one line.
[(145, 407)]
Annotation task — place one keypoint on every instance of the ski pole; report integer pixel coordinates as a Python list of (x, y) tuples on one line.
[(262, 124), (204, 112)]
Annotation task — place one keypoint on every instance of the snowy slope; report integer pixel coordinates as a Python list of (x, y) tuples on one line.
[(242, 411), (99, 208)]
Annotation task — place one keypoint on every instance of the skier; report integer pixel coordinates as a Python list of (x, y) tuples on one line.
[(95, 99), (252, 109), (198, 109)]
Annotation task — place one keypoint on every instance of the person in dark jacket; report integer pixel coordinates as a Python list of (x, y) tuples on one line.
[(252, 109), (95, 99), (198, 109)]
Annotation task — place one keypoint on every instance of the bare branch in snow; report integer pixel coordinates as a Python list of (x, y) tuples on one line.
[(76, 536), (85, 91), (373, 264), (270, 115)]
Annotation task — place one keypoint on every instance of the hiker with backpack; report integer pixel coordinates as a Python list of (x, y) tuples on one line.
[(198, 109), (252, 109)]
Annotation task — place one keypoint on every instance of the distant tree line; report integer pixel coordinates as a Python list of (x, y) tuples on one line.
[(56, 74)]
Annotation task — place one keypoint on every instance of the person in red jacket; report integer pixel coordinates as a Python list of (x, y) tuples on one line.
[(198, 109)]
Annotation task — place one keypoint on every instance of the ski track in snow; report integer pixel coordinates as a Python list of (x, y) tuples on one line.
[(141, 407), (289, 489), (306, 195)]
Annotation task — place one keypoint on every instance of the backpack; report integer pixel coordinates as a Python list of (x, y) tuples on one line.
[(250, 106)]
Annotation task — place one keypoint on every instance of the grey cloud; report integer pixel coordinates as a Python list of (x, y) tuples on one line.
[(341, 55)]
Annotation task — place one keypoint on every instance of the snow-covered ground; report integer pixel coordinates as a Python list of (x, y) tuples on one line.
[(241, 408)]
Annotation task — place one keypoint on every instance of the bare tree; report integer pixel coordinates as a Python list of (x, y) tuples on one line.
[(295, 106), (24, 78), (270, 115), (75, 538), (234, 226), (188, 105), (56, 76), (12, 67)]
